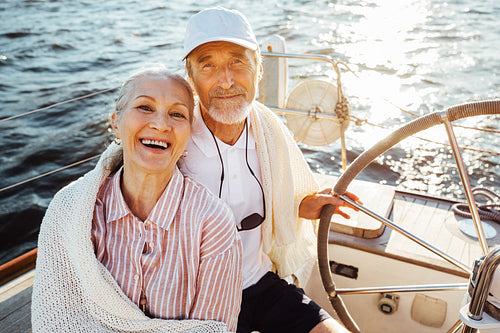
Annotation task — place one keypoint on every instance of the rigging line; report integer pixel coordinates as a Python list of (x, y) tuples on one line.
[(50, 172), (385, 99), (461, 148), (454, 125), (68, 101), (413, 114), (431, 141), (60, 103), (478, 129)]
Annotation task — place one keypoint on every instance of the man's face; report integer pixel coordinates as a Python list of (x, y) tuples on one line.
[(224, 76)]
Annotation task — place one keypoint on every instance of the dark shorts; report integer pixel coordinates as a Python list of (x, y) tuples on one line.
[(274, 305)]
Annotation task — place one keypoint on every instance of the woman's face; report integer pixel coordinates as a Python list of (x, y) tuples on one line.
[(154, 126)]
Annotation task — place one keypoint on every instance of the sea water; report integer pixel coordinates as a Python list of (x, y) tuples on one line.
[(404, 56)]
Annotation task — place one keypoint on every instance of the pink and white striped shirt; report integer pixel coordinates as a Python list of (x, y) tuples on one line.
[(187, 252)]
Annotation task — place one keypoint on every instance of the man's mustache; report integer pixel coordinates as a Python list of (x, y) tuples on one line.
[(221, 92)]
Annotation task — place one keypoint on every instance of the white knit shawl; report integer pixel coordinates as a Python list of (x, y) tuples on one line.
[(289, 240), (73, 291)]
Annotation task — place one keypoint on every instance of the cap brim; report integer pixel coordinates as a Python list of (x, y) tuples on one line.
[(247, 44)]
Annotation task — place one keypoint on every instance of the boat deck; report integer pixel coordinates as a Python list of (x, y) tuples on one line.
[(429, 218), (15, 304)]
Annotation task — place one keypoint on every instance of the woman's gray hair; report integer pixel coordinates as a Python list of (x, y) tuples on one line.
[(157, 71)]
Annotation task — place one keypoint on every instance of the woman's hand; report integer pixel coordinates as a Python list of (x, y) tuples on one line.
[(310, 207)]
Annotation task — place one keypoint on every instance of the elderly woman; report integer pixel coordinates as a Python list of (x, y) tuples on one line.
[(134, 239)]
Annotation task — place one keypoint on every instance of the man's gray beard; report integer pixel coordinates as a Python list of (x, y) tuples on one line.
[(230, 113)]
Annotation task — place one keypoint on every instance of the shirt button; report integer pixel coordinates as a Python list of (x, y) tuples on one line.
[(136, 277)]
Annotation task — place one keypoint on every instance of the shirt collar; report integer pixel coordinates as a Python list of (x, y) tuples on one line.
[(202, 138), (163, 212), (120, 208)]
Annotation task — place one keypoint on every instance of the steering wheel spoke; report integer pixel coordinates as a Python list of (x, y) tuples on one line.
[(362, 161)]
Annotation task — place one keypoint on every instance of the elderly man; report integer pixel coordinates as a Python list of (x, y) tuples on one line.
[(244, 154)]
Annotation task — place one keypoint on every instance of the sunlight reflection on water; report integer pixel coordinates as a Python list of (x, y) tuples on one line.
[(420, 56)]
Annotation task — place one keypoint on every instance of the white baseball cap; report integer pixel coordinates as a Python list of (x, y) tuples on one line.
[(218, 24)]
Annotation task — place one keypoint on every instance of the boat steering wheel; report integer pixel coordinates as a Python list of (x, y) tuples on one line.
[(415, 126)]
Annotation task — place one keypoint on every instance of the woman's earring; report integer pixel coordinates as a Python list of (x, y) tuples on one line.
[(184, 154), (117, 141)]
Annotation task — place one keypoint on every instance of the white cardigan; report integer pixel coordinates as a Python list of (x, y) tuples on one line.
[(73, 291), (289, 240)]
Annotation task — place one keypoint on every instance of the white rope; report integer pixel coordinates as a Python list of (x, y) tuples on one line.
[(60, 103), (49, 173)]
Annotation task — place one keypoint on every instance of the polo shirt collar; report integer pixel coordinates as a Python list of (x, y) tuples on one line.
[(202, 137)]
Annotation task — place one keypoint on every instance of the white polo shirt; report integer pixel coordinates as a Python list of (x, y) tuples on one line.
[(240, 189)]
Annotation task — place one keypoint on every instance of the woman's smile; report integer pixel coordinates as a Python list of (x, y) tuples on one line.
[(155, 144), (154, 126)]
